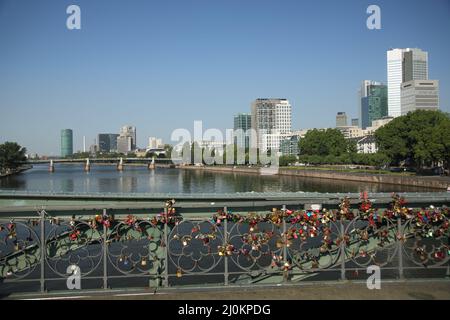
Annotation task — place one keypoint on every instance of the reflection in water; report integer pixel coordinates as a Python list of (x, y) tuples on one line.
[(106, 179)]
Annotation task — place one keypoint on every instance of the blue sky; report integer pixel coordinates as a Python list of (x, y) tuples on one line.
[(160, 65)]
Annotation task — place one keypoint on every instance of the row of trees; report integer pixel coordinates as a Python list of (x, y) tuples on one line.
[(11, 155), (420, 139)]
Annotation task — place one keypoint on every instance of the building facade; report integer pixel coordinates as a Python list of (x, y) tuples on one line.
[(107, 142), (129, 131), (270, 119), (66, 142), (289, 145), (373, 104), (341, 119), (241, 130), (403, 65), (419, 95), (155, 143)]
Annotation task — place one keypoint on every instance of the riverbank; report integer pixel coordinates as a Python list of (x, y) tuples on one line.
[(433, 182), (16, 171)]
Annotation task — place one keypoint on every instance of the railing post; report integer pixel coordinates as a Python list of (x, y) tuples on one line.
[(105, 254), (166, 249), (342, 245), (43, 251), (399, 239), (225, 243), (286, 272)]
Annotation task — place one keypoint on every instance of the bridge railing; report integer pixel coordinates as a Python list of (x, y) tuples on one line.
[(276, 247)]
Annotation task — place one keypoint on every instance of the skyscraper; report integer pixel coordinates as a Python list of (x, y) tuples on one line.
[(126, 141), (341, 119), (107, 142), (373, 102), (66, 142), (403, 65), (420, 95), (241, 132), (271, 121)]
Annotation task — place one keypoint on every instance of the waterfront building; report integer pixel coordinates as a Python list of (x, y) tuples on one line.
[(270, 120), (403, 65), (107, 142), (66, 142), (129, 131), (373, 102), (124, 144), (155, 143), (241, 130), (289, 145), (341, 119), (366, 144), (419, 95)]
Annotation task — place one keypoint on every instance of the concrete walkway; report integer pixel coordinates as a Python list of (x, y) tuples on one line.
[(421, 290)]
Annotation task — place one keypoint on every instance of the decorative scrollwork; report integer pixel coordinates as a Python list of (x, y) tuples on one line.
[(195, 246), (136, 247), (73, 242), (20, 248)]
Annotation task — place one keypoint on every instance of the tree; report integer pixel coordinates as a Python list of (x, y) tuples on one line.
[(11, 154), (285, 160), (420, 138), (325, 142)]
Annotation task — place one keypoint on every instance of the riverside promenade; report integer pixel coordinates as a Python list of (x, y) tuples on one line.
[(406, 290), (434, 182)]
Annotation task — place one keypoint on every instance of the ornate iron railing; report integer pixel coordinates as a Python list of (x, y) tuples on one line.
[(282, 246)]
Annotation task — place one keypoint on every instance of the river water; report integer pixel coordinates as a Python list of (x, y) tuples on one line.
[(71, 178)]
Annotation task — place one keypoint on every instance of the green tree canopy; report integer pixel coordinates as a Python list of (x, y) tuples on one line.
[(420, 138), (325, 142), (11, 154)]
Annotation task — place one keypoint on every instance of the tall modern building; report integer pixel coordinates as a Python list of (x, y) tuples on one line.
[(107, 142), (355, 122), (126, 141), (403, 65), (241, 132), (129, 131), (155, 143), (271, 121), (66, 142), (419, 95), (341, 119), (373, 102)]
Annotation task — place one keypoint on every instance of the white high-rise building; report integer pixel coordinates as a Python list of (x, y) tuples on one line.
[(271, 121), (403, 65), (155, 143)]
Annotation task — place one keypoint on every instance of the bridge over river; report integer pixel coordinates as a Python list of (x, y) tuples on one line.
[(122, 241)]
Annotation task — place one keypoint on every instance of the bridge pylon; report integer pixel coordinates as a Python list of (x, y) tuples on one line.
[(152, 165), (120, 165), (51, 167), (87, 166)]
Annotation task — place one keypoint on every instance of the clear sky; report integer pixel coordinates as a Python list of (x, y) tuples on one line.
[(161, 64)]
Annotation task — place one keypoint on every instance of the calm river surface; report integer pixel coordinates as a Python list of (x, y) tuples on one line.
[(137, 179)]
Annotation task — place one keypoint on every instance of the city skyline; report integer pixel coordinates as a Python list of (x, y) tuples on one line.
[(91, 84)]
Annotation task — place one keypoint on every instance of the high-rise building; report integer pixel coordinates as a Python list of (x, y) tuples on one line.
[(129, 131), (270, 119), (241, 132), (403, 65), (355, 122), (419, 94), (341, 119), (66, 142), (126, 141), (124, 144), (107, 142), (373, 102), (155, 143)]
